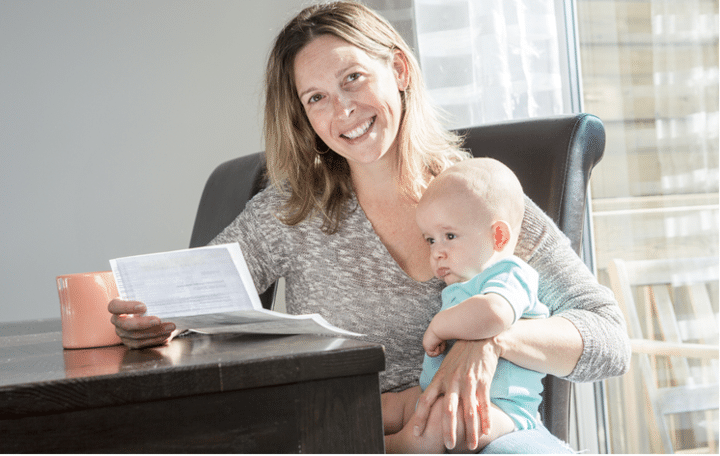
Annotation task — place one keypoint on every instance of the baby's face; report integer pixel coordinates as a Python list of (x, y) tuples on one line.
[(459, 235)]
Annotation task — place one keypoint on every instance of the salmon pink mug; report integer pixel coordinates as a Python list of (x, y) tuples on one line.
[(84, 298)]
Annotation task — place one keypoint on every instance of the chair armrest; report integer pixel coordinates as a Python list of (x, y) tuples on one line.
[(662, 348)]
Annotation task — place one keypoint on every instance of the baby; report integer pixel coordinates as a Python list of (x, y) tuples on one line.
[(471, 216)]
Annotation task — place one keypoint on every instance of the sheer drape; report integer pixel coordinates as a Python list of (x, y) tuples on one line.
[(650, 71), (686, 88), (490, 60)]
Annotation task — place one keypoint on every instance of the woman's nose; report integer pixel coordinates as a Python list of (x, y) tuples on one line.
[(344, 106)]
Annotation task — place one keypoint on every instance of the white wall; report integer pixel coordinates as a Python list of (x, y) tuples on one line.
[(112, 115)]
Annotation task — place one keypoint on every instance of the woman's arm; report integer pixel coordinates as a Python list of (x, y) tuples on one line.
[(260, 235), (551, 345), (573, 295)]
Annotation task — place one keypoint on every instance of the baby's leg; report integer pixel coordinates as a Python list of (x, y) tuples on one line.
[(432, 439), (404, 441), (397, 408), (501, 424)]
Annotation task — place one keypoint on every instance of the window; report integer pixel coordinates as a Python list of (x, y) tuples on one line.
[(650, 71)]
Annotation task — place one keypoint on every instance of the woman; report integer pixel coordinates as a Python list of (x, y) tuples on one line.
[(351, 143)]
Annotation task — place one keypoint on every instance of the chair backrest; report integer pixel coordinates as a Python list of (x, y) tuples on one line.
[(674, 334), (552, 157)]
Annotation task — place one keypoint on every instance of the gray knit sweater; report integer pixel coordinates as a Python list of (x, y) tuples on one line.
[(352, 281)]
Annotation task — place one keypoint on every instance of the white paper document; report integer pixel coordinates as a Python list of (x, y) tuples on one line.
[(209, 290)]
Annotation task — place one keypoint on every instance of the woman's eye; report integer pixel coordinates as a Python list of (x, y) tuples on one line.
[(315, 98), (353, 76)]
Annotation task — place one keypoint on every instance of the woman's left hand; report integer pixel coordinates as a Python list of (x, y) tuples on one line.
[(462, 382)]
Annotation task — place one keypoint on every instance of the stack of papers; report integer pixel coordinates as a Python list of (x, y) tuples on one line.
[(208, 290)]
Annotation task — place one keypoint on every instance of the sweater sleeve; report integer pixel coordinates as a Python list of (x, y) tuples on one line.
[(262, 238), (571, 291)]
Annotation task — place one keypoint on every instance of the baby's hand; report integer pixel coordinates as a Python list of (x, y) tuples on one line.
[(432, 344)]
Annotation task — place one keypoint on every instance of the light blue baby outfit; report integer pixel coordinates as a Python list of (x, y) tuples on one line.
[(514, 390)]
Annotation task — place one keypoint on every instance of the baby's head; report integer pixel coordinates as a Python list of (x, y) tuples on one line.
[(471, 216)]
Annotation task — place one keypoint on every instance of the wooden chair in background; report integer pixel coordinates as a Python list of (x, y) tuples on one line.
[(673, 326)]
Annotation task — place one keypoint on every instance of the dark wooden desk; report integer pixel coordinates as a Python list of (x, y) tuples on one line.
[(228, 393)]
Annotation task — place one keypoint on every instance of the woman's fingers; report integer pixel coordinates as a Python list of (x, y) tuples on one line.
[(144, 343), (483, 407), (450, 420), (472, 422), (136, 330), (422, 411), (134, 327), (491, 354), (461, 413), (120, 306)]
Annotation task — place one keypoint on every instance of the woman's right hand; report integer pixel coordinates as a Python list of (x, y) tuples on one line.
[(136, 330), (462, 385)]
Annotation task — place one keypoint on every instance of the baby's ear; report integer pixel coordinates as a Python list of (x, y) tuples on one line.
[(501, 235)]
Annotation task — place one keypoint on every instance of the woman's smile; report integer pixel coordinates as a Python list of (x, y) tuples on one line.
[(360, 130)]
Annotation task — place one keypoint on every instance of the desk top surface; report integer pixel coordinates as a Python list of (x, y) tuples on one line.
[(38, 375)]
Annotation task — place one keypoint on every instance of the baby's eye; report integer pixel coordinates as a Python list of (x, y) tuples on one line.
[(430, 240), (450, 236)]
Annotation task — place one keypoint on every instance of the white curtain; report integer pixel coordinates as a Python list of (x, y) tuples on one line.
[(490, 60), (685, 79)]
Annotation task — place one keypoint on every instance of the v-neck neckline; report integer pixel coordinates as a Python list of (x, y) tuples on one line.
[(355, 206)]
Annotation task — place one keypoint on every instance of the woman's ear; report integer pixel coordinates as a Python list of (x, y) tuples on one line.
[(501, 235), (401, 69)]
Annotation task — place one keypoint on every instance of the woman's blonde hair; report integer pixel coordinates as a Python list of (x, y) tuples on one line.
[(317, 178)]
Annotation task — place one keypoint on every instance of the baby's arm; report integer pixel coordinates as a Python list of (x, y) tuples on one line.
[(478, 317)]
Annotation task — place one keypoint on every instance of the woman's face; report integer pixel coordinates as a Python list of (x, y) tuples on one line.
[(351, 98)]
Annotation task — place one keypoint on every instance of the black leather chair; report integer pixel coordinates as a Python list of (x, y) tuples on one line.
[(553, 158)]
